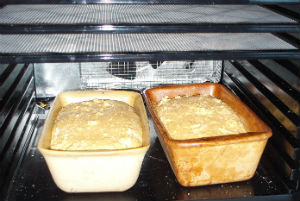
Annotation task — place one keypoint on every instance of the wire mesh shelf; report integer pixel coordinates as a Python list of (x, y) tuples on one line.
[(144, 74)]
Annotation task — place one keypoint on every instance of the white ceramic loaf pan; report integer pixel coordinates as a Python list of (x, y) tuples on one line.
[(94, 171)]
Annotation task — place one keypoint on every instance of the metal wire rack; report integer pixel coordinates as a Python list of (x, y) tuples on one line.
[(144, 74)]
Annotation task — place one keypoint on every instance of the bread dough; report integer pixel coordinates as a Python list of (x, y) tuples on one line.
[(96, 124), (198, 116)]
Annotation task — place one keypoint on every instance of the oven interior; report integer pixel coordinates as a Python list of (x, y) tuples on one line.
[(40, 57)]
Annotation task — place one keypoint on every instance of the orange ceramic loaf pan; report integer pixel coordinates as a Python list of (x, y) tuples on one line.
[(211, 160)]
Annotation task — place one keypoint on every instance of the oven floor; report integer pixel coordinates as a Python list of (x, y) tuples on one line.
[(32, 181)]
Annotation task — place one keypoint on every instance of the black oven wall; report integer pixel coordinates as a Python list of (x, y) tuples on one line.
[(271, 88), (17, 120)]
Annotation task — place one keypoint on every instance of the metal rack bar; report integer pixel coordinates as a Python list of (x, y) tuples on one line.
[(16, 108), (6, 73), (283, 11), (10, 146), (150, 2), (285, 86), (248, 98), (27, 130), (180, 28), (146, 19), (287, 175), (5, 103), (146, 56), (290, 39), (8, 107), (271, 120), (289, 66), (13, 136), (276, 101), (291, 171)]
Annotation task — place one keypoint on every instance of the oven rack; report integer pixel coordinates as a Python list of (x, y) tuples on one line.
[(75, 33), (141, 18), (150, 2)]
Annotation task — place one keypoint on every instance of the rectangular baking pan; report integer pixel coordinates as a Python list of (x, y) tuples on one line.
[(97, 170), (211, 160)]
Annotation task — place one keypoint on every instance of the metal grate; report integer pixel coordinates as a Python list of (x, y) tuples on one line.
[(111, 43), (273, 93), (140, 75), (16, 115), (137, 14)]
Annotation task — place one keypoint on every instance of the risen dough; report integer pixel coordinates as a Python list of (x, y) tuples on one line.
[(96, 124), (198, 116)]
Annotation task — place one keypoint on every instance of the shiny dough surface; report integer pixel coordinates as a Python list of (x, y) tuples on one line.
[(198, 116), (96, 124)]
